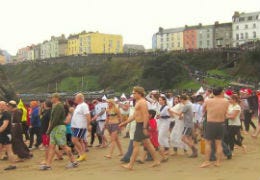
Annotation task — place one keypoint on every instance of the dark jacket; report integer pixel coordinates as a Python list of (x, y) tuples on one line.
[(46, 116)]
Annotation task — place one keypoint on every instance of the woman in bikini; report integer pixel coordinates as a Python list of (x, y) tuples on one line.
[(112, 124)]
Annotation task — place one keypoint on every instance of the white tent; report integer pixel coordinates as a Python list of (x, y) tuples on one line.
[(123, 96), (104, 98), (116, 99), (200, 91)]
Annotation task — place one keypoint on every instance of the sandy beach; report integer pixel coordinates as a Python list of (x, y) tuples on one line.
[(241, 167)]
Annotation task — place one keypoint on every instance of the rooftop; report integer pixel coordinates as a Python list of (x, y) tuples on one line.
[(171, 30), (249, 14)]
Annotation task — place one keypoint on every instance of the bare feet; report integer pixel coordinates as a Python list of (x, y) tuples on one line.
[(127, 166), (245, 133), (174, 154), (217, 164), (244, 148), (19, 160), (205, 164), (108, 156), (164, 160), (120, 155), (155, 164), (254, 136), (43, 163), (166, 152)]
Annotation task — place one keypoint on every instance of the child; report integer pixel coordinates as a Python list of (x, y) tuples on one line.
[(153, 133)]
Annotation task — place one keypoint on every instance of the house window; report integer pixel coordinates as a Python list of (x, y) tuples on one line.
[(237, 27), (246, 26), (249, 18), (208, 43), (241, 19), (254, 25), (246, 35), (237, 36), (200, 43), (254, 34), (208, 35), (241, 36)]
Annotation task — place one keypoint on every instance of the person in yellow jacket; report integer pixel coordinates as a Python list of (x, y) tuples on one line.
[(24, 120)]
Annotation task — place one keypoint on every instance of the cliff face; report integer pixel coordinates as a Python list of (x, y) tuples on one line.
[(6, 91)]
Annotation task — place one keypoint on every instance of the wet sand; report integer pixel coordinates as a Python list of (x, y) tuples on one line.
[(241, 167)]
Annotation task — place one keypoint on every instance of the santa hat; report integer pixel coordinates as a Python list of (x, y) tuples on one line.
[(249, 91), (229, 92)]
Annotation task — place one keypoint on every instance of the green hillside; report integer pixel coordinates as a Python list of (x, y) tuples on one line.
[(121, 73)]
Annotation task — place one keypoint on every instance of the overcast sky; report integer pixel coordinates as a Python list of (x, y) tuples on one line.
[(25, 22)]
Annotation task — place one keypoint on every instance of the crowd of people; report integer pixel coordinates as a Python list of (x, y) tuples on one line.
[(163, 124)]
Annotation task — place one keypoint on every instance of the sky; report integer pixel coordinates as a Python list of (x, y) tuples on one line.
[(26, 22)]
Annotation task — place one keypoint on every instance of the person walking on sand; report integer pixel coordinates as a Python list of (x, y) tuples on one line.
[(187, 116), (79, 123), (112, 123), (141, 116), (164, 125), (57, 132), (5, 134), (216, 109)]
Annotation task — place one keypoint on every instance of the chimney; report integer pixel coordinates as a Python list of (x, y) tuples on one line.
[(160, 29), (236, 14)]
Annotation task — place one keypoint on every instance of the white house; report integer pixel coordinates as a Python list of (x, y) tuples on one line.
[(246, 27)]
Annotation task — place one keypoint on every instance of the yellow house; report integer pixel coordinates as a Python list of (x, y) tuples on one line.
[(177, 40), (2, 59), (73, 45), (98, 43), (169, 39)]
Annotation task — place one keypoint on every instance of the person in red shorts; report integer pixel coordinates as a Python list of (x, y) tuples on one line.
[(153, 135)]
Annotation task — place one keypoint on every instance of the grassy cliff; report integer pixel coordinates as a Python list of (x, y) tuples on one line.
[(121, 73)]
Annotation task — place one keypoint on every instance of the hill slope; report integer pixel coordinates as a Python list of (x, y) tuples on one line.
[(121, 73)]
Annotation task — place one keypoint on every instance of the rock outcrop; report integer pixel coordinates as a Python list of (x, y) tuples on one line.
[(6, 91)]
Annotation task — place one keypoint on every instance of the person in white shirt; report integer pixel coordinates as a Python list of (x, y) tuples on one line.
[(176, 133), (153, 101), (79, 123), (124, 107), (170, 99), (100, 117), (131, 128), (164, 125), (234, 123), (198, 116)]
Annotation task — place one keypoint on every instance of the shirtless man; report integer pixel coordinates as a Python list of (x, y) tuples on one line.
[(216, 109), (141, 116)]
